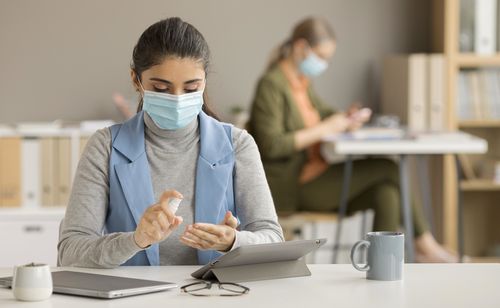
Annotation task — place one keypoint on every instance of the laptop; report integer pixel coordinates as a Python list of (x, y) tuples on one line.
[(100, 286)]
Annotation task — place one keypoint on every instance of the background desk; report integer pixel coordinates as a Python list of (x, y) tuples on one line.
[(422, 144), (337, 285)]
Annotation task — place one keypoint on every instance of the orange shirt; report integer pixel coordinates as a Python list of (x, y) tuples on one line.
[(315, 164)]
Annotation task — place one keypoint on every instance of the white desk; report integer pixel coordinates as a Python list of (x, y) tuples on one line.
[(435, 143), (338, 285), (420, 144)]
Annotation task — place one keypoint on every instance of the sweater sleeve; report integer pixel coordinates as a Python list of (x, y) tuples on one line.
[(254, 204), (268, 122), (81, 239)]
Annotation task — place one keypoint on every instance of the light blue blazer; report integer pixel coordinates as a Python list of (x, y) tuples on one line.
[(131, 190)]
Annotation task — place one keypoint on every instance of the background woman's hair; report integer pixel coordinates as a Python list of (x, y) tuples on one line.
[(171, 37), (312, 29)]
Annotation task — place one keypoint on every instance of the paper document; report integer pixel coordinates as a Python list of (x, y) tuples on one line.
[(370, 133)]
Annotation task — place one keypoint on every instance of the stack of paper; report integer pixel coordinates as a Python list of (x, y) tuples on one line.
[(94, 125), (35, 128)]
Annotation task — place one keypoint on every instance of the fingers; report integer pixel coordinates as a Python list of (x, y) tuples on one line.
[(155, 225), (209, 228), (208, 236), (352, 109), (165, 198), (361, 116), (154, 232), (338, 122), (177, 222), (203, 235), (168, 194), (154, 229), (199, 239), (230, 220), (191, 243), (159, 218)]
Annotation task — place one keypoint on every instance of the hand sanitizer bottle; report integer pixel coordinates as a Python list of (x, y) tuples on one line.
[(173, 204)]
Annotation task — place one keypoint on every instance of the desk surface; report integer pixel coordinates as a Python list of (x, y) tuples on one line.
[(338, 285), (435, 143)]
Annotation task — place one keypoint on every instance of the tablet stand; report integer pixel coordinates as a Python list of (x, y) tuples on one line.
[(262, 271)]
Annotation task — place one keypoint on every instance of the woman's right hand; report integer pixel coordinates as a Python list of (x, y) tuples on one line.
[(336, 123), (158, 222), (331, 125)]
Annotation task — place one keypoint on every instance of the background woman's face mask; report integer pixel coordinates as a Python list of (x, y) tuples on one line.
[(313, 65)]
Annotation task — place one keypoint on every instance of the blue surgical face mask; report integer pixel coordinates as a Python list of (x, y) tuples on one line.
[(313, 65), (170, 111)]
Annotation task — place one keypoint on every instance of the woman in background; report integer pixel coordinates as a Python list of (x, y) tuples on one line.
[(288, 121)]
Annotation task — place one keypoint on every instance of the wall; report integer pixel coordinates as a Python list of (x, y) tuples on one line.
[(64, 59)]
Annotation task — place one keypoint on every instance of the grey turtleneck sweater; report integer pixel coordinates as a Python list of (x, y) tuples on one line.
[(172, 157)]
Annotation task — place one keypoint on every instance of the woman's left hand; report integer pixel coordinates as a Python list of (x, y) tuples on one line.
[(211, 237), (358, 116)]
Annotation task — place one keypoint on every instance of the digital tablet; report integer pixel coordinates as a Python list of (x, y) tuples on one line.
[(260, 254)]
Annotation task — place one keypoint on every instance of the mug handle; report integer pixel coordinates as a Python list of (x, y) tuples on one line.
[(353, 254)]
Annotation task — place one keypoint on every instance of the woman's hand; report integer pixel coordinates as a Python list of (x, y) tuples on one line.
[(212, 237), (331, 125), (158, 222), (358, 116), (334, 124)]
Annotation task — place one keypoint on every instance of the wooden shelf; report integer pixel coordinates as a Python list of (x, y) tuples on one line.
[(479, 185), (485, 259), (446, 25), (38, 213), (475, 60), (479, 123)]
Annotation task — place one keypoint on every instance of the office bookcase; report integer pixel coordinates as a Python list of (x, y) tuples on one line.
[(481, 197), (29, 220)]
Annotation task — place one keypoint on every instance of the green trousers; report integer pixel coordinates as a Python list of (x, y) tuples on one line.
[(374, 185)]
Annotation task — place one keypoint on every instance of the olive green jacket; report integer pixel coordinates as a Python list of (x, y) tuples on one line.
[(273, 121)]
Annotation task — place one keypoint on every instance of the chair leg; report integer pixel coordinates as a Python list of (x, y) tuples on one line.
[(460, 212), (404, 188), (423, 176)]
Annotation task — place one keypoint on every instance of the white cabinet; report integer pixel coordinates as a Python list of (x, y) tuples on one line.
[(29, 235)]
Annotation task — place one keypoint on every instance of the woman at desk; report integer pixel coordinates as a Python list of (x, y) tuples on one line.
[(174, 147), (288, 121)]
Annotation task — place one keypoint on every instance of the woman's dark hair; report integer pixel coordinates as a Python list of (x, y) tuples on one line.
[(314, 30), (171, 37)]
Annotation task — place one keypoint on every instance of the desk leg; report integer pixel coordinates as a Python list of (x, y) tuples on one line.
[(460, 211), (424, 179), (404, 188), (343, 204)]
